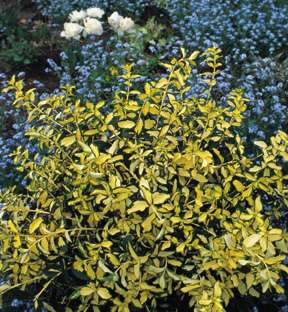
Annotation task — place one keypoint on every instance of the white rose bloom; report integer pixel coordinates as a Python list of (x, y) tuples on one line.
[(93, 26), (71, 30), (126, 24), (114, 20), (76, 16), (95, 12)]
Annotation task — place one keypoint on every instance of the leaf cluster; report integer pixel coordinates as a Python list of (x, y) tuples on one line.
[(149, 196)]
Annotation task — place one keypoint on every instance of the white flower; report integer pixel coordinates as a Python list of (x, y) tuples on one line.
[(93, 26), (76, 16), (95, 12), (126, 24), (71, 30), (114, 20)]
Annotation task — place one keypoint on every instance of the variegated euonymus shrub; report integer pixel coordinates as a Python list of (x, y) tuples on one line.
[(144, 198)]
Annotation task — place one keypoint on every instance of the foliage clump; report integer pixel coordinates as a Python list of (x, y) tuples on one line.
[(144, 198)]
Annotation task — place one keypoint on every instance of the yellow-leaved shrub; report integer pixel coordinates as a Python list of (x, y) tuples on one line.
[(147, 197)]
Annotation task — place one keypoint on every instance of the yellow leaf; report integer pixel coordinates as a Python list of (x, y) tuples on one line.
[(45, 245), (162, 282), (145, 108), (147, 195), (279, 289), (260, 144), (91, 132), (43, 197), (35, 225), (90, 272), (100, 104), (274, 260), (147, 224), (12, 227), (4, 287), (17, 241), (162, 82), (95, 150), (68, 140), (164, 130), (103, 293), (275, 235), (193, 285), (181, 248), (200, 178), (108, 118), (139, 205), (166, 245), (246, 216), (86, 291), (102, 159), (126, 124), (139, 126), (132, 252), (160, 198), (283, 268), (275, 232), (147, 88), (238, 185), (174, 262), (61, 242), (113, 148), (258, 204), (202, 218), (249, 280), (230, 241), (113, 259), (217, 290), (193, 56), (106, 244), (149, 124), (77, 265), (205, 302), (251, 240)]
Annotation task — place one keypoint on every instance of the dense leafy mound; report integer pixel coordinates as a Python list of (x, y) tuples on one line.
[(144, 198)]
